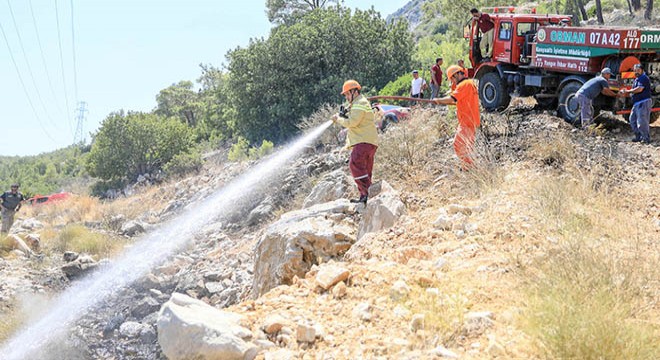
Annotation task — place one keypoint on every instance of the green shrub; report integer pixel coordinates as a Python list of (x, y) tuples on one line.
[(184, 163), (239, 151), (99, 188), (261, 151), (242, 150)]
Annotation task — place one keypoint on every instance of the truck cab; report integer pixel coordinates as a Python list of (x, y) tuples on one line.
[(514, 35)]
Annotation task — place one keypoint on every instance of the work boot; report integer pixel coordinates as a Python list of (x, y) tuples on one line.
[(636, 139), (362, 199)]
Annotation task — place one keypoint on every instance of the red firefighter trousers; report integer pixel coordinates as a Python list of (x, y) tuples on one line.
[(361, 165), (464, 144)]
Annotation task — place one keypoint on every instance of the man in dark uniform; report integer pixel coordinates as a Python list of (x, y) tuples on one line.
[(11, 203)]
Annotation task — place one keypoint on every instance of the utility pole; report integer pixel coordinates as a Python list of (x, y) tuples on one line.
[(81, 114)]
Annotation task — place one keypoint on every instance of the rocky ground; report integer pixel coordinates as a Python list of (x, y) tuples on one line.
[(430, 268)]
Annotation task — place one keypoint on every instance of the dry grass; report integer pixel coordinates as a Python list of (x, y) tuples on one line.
[(80, 239), (405, 147), (585, 302), (443, 314), (555, 151), (324, 113), (590, 296), (12, 318)]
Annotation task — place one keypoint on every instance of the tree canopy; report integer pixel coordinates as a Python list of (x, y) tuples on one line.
[(130, 144), (275, 82), (288, 11)]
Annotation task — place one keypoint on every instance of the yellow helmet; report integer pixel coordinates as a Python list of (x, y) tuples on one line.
[(350, 85)]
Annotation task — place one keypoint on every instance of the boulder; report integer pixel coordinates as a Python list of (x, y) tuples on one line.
[(145, 307), (329, 275), (69, 256), (331, 187), (382, 211), (33, 241), (30, 224), (132, 329), (190, 329), (18, 244), (305, 333), (300, 239), (132, 228), (262, 212), (79, 267)]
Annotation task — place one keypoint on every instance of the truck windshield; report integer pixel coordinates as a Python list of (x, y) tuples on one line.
[(523, 28)]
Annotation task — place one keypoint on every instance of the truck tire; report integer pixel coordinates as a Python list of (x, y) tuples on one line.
[(569, 109), (493, 92)]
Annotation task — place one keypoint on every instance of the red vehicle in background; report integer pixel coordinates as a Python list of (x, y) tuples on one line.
[(48, 199), (388, 114)]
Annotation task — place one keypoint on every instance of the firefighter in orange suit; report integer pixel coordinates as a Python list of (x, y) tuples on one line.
[(362, 136), (466, 99)]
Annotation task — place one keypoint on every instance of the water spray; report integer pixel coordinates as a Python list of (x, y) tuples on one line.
[(151, 250)]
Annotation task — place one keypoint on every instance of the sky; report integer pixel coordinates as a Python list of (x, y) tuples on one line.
[(125, 52)]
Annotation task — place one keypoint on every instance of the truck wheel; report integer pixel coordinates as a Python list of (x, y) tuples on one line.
[(493, 92), (569, 109)]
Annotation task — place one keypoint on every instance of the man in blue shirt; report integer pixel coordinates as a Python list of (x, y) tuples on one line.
[(641, 111), (589, 91)]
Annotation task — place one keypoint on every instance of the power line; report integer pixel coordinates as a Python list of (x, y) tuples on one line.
[(20, 78), (43, 59), (59, 41), (73, 49), (27, 63)]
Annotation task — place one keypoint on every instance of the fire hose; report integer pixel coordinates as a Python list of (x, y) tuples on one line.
[(406, 98)]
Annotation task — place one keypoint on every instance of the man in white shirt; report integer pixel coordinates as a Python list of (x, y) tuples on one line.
[(418, 86)]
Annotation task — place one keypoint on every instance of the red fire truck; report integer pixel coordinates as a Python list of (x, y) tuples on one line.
[(545, 57)]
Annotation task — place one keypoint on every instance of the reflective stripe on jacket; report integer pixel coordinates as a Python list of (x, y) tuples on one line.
[(360, 123)]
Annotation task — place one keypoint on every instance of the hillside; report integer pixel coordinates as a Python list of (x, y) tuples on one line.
[(547, 249), (484, 264)]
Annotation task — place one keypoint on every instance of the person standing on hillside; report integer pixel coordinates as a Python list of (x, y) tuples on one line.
[(362, 136), (589, 91), (417, 86), (486, 26), (466, 99), (436, 78), (11, 203), (640, 117)]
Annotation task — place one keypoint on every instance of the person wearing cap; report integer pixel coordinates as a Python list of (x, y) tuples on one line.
[(486, 26), (589, 91), (418, 85), (436, 78), (362, 137), (11, 203), (466, 98), (640, 116), (460, 64)]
